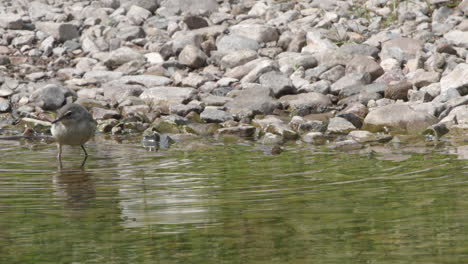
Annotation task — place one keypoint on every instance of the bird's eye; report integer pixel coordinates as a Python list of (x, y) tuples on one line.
[(69, 113)]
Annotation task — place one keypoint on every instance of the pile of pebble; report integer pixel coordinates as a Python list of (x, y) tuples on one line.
[(273, 70)]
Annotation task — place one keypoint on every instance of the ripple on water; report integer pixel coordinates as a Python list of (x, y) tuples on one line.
[(228, 200)]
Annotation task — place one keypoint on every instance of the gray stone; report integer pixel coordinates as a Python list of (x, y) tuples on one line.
[(391, 76), (360, 49), (259, 33), (350, 79), (463, 6), (150, 5), (130, 33), (181, 39), (192, 57), (398, 118), (114, 91), (259, 68), (363, 136), (195, 22), (458, 38), (195, 7), (237, 58), (215, 100), (146, 80), (4, 60), (60, 31), (356, 89), (103, 114), (194, 80), (398, 90), (240, 131), (364, 64), (421, 78), (38, 10), (23, 40), (316, 138), (254, 99), (401, 49), (278, 82), (332, 57), (121, 56), (137, 15), (273, 124), (230, 43), (166, 94), (5, 105), (333, 74), (11, 21), (183, 110), (295, 60), (51, 97), (460, 114), (306, 103), (339, 125), (457, 79), (321, 86), (102, 76), (213, 115), (317, 43)]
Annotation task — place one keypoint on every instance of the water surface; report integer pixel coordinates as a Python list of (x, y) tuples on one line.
[(233, 204)]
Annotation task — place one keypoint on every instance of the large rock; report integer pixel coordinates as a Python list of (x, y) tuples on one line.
[(213, 115), (339, 125), (457, 37), (171, 95), (457, 79), (351, 79), (398, 90), (306, 103), (121, 56), (278, 82), (421, 78), (60, 31), (146, 80), (259, 33), (233, 42), (259, 68), (401, 49), (363, 64), (102, 76), (150, 5), (254, 99), (273, 124), (199, 6), (237, 58), (137, 15), (51, 97), (398, 118), (460, 114), (11, 21), (115, 91), (192, 57)]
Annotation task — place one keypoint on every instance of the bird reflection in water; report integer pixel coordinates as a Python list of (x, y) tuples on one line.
[(76, 187)]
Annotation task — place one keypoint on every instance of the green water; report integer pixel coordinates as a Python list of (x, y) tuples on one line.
[(233, 204)]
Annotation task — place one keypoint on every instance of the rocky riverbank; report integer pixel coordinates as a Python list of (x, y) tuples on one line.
[(273, 70)]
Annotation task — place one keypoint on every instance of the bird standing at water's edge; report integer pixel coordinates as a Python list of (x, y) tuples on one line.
[(73, 126)]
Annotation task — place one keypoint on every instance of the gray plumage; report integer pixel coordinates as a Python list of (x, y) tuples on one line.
[(73, 126)]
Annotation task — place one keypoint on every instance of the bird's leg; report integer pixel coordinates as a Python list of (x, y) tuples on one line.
[(59, 155), (86, 153), (86, 156)]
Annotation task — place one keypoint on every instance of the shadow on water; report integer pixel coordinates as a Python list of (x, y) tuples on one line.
[(75, 186), (233, 204)]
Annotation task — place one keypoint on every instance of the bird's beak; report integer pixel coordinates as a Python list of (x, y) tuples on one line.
[(57, 120)]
